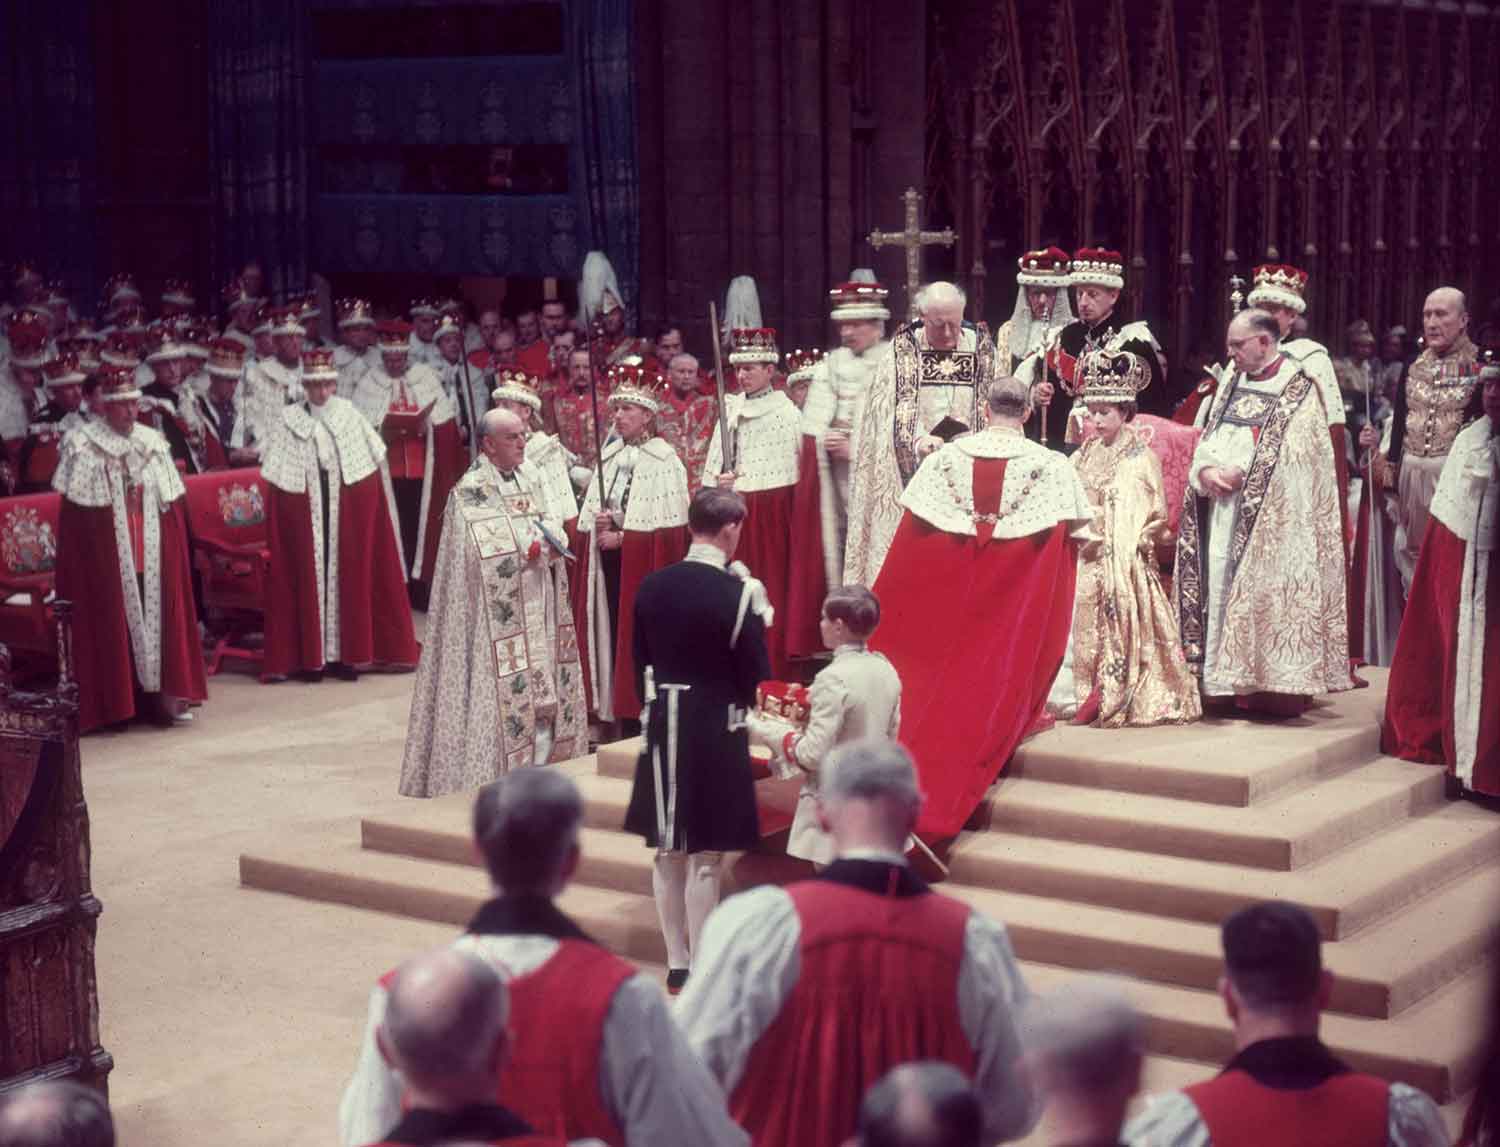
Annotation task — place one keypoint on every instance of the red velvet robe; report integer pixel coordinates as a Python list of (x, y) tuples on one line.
[(766, 546), (977, 629), (1419, 705), (88, 575), (808, 583), (375, 625), (641, 552)]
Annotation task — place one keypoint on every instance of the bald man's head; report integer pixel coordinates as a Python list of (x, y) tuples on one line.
[(58, 1113), (927, 1104), (444, 1025), (1445, 319), (504, 441)]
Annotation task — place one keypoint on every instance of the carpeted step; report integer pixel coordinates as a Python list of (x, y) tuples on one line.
[(1217, 761), (1283, 833), (1345, 892), (1431, 1045), (611, 859), (1381, 972), (344, 873)]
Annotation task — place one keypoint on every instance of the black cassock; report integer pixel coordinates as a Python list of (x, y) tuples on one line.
[(699, 654)]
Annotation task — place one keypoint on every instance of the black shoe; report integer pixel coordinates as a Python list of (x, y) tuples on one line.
[(341, 670), (311, 676), (1453, 788), (676, 980)]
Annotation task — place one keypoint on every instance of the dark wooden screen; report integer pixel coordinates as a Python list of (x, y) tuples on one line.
[(1200, 138)]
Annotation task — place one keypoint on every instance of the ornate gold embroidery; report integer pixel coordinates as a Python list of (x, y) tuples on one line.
[(1438, 392)]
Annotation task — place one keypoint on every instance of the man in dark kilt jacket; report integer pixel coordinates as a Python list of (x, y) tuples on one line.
[(700, 651)]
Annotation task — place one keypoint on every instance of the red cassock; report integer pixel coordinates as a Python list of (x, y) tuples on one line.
[(375, 625), (977, 629), (867, 998), (1419, 706), (88, 575)]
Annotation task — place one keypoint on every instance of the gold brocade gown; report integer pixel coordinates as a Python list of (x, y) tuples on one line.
[(1125, 635)]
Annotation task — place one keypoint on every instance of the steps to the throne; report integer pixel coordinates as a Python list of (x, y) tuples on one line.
[(1110, 852)]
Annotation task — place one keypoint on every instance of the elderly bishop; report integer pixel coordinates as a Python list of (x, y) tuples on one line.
[(929, 387), (1259, 581), (499, 685)]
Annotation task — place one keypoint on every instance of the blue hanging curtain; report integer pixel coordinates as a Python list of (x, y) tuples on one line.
[(260, 138), (48, 178), (600, 49)]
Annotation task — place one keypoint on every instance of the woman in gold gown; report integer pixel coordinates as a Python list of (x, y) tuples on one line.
[(1125, 656)]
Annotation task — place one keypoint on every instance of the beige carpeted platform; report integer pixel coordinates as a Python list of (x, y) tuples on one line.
[(1102, 851)]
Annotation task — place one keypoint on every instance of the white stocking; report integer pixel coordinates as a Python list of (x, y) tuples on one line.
[(702, 892), (669, 884)]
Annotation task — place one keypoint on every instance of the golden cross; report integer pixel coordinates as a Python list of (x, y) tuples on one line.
[(913, 238)]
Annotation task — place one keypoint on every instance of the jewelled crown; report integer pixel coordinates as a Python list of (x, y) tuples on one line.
[(63, 370), (284, 321), (1097, 267), (178, 292), (423, 308), (800, 363), (851, 301), (753, 344), (394, 335), (318, 365), (1113, 377), (305, 304), (235, 295), (1279, 284), (635, 386), (119, 289), (226, 358), (27, 332), (116, 384), (355, 313), (512, 384), (1047, 267)]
